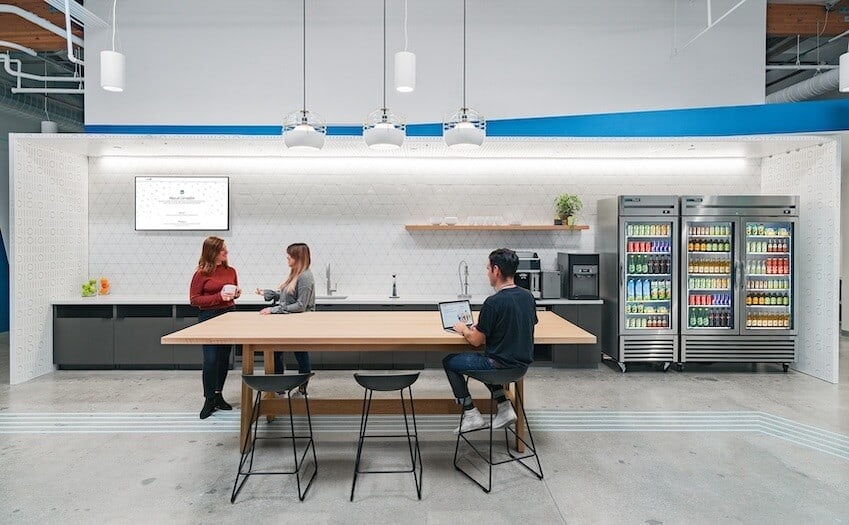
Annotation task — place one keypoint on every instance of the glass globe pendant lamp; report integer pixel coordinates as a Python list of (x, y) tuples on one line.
[(382, 129), (302, 129), (465, 128)]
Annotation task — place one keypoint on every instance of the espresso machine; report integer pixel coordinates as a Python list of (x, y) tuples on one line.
[(528, 273)]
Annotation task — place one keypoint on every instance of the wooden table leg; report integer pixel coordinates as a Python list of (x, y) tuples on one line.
[(247, 398), (268, 363), (520, 418)]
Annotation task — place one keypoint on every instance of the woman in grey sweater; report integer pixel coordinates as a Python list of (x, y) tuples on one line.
[(296, 294)]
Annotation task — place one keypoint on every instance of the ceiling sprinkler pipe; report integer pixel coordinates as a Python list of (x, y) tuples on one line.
[(12, 45), (807, 89), (69, 34), (20, 74)]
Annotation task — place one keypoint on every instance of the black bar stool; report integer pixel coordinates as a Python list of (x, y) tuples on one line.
[(389, 383), (276, 383), (496, 377)]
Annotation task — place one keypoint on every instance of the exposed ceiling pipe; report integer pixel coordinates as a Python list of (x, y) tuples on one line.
[(12, 45), (827, 82), (8, 61), (29, 106), (68, 34), (58, 91), (37, 20)]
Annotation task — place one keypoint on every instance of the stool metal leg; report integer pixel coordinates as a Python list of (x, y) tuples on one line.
[(363, 422), (255, 419), (248, 455), (415, 457), (489, 460)]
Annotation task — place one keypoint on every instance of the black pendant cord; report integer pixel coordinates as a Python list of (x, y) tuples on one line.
[(304, 32)]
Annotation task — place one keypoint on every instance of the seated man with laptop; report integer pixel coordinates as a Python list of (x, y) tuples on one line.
[(505, 329)]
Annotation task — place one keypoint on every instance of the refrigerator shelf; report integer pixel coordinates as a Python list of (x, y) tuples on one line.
[(648, 236), (709, 305), (646, 313), (695, 274), (710, 289), (784, 291), (648, 275), (767, 236), (769, 253), (784, 275), (767, 305), (718, 252), (648, 300), (694, 236), (648, 253)]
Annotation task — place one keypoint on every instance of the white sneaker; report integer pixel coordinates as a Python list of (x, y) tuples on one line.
[(506, 415), (472, 420)]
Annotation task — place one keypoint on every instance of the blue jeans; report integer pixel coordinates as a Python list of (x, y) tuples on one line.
[(456, 364), (303, 359), (216, 359)]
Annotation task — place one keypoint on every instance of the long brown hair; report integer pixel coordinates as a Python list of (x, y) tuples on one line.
[(300, 252), (212, 246)]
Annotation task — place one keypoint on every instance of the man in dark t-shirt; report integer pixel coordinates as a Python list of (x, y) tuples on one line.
[(506, 328)]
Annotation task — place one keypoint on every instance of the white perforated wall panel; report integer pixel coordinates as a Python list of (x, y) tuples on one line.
[(813, 173), (49, 247)]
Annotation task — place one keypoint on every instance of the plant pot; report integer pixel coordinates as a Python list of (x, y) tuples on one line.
[(570, 220), (558, 222)]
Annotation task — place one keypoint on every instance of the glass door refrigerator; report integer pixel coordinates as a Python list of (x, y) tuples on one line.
[(737, 279), (638, 260)]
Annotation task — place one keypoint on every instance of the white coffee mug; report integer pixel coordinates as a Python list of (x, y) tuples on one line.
[(229, 289)]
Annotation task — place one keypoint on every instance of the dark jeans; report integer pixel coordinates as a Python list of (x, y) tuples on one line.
[(456, 364), (303, 359), (216, 359)]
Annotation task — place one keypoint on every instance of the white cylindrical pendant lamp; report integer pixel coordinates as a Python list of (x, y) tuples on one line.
[(48, 126), (405, 71), (111, 71), (844, 72)]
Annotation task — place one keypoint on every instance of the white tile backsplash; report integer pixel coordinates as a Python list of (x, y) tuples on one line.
[(352, 212)]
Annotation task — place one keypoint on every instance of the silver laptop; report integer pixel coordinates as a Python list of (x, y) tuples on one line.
[(453, 312)]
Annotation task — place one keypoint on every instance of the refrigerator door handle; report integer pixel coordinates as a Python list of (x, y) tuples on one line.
[(621, 275)]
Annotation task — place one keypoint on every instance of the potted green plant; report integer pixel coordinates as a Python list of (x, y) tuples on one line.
[(567, 204)]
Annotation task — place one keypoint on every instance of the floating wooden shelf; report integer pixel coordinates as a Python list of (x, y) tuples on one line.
[(495, 227)]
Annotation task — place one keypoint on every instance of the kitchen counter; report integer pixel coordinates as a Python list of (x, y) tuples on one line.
[(251, 299)]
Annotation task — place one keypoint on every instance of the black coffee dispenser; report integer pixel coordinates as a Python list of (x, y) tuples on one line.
[(580, 274)]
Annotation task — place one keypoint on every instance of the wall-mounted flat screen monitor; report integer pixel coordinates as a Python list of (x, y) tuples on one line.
[(182, 203)]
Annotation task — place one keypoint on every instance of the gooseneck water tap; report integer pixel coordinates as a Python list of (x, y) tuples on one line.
[(463, 274), (327, 275), (394, 287)]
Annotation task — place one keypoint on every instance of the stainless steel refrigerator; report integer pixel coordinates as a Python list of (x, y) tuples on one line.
[(638, 258), (738, 282)]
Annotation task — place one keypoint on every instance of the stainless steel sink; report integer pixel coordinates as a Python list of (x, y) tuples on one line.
[(330, 297)]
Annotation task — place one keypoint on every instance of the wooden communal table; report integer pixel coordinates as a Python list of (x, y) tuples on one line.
[(351, 331)]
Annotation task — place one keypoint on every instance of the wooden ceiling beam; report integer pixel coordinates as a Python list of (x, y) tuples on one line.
[(797, 19)]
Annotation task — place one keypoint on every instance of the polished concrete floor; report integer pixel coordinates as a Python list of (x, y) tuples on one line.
[(714, 444)]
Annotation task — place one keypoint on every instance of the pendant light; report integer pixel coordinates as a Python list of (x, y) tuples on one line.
[(112, 62), (465, 128), (301, 129), (405, 64), (382, 129)]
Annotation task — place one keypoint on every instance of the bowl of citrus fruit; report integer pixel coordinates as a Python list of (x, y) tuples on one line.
[(104, 286)]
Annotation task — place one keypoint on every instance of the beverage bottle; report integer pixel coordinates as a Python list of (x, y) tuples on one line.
[(653, 290), (646, 290), (760, 229), (785, 300), (748, 298), (630, 264), (692, 317)]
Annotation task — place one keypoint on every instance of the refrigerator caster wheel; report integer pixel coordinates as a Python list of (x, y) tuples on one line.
[(680, 367), (621, 366), (786, 367), (666, 366)]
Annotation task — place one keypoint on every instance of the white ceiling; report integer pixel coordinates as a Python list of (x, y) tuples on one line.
[(430, 147)]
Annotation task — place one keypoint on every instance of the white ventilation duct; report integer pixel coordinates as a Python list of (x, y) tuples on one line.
[(821, 84)]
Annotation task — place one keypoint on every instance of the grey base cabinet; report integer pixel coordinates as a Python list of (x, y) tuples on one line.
[(138, 329), (83, 336), (588, 317)]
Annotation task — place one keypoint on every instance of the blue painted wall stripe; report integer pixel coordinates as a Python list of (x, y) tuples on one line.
[(761, 119)]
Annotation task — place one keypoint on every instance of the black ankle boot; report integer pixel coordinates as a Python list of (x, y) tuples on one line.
[(220, 404), (208, 408)]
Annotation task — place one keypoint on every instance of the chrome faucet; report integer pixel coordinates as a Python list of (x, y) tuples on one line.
[(327, 275), (463, 271)]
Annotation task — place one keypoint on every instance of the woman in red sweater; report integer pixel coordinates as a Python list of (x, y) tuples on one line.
[(207, 293)]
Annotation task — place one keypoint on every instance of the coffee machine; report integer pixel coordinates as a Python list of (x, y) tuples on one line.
[(580, 274), (528, 273)]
